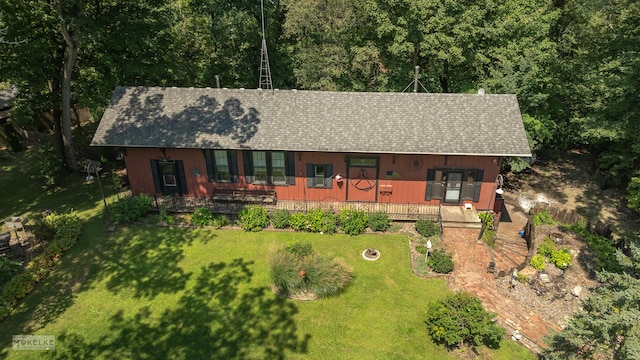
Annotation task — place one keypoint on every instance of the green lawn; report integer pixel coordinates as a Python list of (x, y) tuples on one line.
[(145, 292)]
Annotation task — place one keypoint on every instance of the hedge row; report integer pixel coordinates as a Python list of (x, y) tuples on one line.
[(68, 228)]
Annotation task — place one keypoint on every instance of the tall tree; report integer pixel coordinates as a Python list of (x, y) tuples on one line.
[(607, 327)]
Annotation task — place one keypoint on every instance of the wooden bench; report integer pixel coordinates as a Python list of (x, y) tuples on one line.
[(258, 196)]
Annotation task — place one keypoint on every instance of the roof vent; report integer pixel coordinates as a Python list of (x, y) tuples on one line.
[(481, 91)]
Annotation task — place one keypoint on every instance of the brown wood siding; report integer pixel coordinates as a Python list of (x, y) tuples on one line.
[(402, 179)]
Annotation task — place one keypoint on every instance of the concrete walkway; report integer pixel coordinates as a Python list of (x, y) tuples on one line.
[(471, 258)]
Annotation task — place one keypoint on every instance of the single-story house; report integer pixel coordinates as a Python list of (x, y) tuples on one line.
[(393, 148)]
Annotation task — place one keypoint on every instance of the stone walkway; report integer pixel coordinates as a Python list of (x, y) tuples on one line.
[(472, 257)]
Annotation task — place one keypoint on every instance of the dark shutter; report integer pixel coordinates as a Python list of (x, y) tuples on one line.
[(431, 175), (156, 178), (248, 167), (233, 165), (181, 178), (438, 186), (328, 176), (211, 172), (478, 186), (290, 168), (310, 175)]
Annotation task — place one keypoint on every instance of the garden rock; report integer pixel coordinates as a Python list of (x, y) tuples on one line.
[(576, 291)]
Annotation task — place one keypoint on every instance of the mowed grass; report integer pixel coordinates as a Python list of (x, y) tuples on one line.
[(144, 292)]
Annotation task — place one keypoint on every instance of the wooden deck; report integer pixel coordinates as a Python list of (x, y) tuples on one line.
[(458, 216)]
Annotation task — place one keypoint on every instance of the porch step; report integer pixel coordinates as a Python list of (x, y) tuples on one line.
[(462, 225), (460, 217)]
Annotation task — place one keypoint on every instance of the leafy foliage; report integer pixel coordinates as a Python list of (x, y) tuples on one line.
[(253, 218), (561, 258), (379, 221), (202, 217), (606, 327), (315, 220), (543, 218), (220, 221), (537, 262), (280, 219), (441, 262), (547, 247), (131, 209), (600, 247), (427, 228), (633, 194), (48, 165), (8, 267), (353, 222), (166, 218), (487, 219), (460, 319), (298, 269)]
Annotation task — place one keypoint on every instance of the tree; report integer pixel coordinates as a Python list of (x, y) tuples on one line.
[(460, 319), (607, 326)]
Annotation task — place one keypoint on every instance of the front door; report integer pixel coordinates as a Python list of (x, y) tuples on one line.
[(362, 174), (453, 187)]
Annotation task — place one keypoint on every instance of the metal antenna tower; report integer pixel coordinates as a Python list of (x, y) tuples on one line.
[(265, 71)]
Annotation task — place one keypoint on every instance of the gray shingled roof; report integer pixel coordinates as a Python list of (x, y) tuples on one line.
[(412, 123)]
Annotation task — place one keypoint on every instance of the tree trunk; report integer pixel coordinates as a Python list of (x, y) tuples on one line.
[(71, 53)]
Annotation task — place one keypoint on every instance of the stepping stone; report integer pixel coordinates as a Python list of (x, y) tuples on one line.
[(545, 278)]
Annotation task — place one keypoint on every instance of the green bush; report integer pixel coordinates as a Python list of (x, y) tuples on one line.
[(427, 228), (253, 218), (487, 219), (353, 222), (379, 221), (562, 258), (19, 286), (441, 262), (460, 319), (131, 209), (421, 249), (220, 221), (543, 218), (48, 165), (537, 262), (8, 268), (547, 247), (601, 247), (166, 218), (298, 221), (202, 217), (489, 237), (315, 220), (297, 269), (280, 219)]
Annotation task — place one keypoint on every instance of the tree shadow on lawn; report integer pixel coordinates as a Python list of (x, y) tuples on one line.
[(220, 317), (145, 261)]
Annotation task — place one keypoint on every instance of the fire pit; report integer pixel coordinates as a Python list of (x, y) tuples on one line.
[(371, 254)]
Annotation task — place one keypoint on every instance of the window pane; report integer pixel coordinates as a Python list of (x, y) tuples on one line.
[(260, 166), (169, 180), (222, 165), (278, 170), (319, 175)]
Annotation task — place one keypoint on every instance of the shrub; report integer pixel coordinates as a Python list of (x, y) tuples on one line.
[(441, 262), (8, 267), (379, 221), (19, 286), (543, 218), (489, 237), (487, 219), (353, 222), (130, 209), (166, 218), (298, 221), (253, 218), (460, 319), (561, 258), (604, 251), (427, 228), (280, 219), (298, 269), (220, 221), (202, 217), (547, 247), (48, 166), (421, 249), (321, 221), (537, 262)]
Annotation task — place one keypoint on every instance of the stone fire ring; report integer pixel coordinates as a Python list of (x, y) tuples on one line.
[(371, 258)]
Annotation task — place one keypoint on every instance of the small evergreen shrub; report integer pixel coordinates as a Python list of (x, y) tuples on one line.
[(460, 319), (253, 218), (543, 218), (537, 262), (220, 221), (441, 262), (427, 228), (561, 258), (379, 221), (353, 222), (202, 217), (131, 209), (280, 218)]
